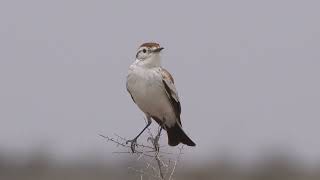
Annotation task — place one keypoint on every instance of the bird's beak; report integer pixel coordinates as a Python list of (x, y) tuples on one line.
[(158, 49)]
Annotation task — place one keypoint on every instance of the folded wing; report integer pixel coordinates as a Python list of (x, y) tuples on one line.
[(171, 92)]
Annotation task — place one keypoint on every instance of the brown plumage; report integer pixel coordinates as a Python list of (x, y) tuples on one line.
[(150, 45), (166, 75), (175, 133)]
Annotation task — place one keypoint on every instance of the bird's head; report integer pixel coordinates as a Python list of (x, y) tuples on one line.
[(148, 54)]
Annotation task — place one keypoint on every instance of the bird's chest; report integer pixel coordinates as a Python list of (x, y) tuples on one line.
[(144, 84), (146, 89)]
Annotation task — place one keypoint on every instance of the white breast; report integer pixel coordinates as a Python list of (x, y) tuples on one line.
[(148, 92)]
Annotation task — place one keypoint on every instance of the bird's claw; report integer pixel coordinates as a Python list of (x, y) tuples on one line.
[(133, 144), (157, 147), (155, 142)]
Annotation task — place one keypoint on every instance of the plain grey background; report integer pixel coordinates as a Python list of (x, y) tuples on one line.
[(247, 73)]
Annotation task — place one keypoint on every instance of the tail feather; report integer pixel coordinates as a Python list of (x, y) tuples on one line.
[(176, 135)]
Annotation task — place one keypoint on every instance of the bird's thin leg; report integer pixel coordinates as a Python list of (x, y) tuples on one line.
[(156, 140), (134, 140)]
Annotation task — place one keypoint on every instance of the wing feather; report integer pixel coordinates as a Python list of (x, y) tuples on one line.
[(171, 92)]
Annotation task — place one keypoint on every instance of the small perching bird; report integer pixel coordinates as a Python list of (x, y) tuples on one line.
[(152, 89)]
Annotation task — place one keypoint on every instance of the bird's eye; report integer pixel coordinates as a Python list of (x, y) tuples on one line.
[(144, 50)]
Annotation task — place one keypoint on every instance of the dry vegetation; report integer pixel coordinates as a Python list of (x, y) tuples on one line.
[(42, 168), (152, 161), (149, 163)]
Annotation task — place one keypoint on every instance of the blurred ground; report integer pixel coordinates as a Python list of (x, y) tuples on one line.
[(40, 166)]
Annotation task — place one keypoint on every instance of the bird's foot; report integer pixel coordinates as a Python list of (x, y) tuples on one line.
[(155, 142), (133, 144)]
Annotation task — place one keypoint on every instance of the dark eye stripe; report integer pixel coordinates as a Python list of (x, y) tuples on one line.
[(142, 51)]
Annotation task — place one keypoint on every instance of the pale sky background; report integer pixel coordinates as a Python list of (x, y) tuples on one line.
[(247, 72)]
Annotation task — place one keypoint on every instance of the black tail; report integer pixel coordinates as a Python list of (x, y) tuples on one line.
[(176, 135)]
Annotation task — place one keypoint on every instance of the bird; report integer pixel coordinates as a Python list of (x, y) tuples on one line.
[(152, 89)]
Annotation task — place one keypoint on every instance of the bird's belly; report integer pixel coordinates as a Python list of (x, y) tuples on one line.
[(152, 100)]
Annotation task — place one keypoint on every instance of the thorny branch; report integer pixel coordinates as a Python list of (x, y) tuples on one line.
[(159, 163)]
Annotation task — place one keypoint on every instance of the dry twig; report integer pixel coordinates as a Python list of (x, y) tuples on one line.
[(158, 165)]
